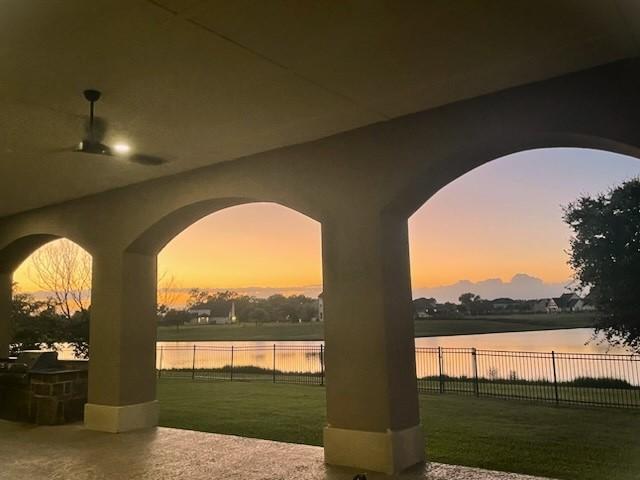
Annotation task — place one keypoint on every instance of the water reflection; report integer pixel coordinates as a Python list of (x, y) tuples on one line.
[(576, 340)]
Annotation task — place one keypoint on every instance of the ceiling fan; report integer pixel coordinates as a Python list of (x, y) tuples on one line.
[(94, 135)]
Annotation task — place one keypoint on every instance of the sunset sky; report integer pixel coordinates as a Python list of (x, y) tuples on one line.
[(499, 220)]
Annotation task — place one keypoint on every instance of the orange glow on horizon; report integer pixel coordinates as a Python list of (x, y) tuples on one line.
[(256, 245)]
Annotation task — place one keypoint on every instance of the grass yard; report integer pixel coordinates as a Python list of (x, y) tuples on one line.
[(569, 442), (244, 331), (423, 328)]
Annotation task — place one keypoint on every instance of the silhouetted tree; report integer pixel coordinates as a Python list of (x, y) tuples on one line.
[(38, 324), (168, 293), (175, 318), (197, 297), (62, 269), (258, 315), (467, 300), (605, 256), (427, 305)]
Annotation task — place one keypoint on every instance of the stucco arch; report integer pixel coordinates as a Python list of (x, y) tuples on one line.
[(431, 179), (156, 235), (17, 251), (12, 254)]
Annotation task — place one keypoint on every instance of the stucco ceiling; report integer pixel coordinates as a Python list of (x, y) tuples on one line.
[(201, 82)]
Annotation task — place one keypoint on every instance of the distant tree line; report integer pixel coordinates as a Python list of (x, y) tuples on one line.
[(249, 309), (472, 304), (469, 304)]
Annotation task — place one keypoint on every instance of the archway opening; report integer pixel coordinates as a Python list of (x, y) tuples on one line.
[(52, 300), (46, 296), (240, 325), (501, 323)]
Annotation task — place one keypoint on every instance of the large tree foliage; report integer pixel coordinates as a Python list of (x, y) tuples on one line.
[(605, 256), (38, 324)]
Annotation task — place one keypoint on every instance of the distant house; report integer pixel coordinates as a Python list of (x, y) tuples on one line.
[(545, 305), (219, 320), (567, 301), (201, 316), (424, 308), (205, 316), (587, 304), (421, 314), (571, 302), (503, 304)]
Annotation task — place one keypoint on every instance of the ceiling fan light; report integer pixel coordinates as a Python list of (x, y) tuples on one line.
[(121, 148)]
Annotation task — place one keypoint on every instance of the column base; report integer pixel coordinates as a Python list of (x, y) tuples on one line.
[(115, 419), (387, 452)]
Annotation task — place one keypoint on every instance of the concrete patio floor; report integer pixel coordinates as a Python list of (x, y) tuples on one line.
[(72, 452)]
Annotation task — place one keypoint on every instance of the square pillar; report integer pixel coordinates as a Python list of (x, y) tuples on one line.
[(5, 313), (122, 380), (372, 399)]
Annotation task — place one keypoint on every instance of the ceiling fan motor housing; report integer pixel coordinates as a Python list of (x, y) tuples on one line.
[(88, 146), (92, 95)]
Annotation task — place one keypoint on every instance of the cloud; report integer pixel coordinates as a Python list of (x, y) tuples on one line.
[(521, 286)]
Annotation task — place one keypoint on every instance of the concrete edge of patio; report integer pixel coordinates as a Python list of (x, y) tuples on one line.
[(72, 451)]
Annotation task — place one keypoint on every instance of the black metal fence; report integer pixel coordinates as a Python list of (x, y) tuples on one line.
[(299, 364), (578, 378)]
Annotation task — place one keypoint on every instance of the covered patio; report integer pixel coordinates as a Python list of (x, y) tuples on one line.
[(72, 451), (352, 113)]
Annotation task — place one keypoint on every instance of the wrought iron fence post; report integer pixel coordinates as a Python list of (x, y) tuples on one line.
[(441, 370), (160, 366), (321, 364), (231, 363), (476, 386), (193, 364), (555, 377), (274, 363)]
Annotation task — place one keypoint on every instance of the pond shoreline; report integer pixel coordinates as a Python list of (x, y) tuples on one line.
[(321, 339), (282, 332)]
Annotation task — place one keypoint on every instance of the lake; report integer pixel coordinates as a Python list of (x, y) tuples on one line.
[(577, 340), (533, 360), (455, 358)]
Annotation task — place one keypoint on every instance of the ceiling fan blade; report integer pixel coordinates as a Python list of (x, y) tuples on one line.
[(95, 148), (150, 160), (68, 149)]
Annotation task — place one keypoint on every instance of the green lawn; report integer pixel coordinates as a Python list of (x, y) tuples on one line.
[(423, 328), (572, 443)]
